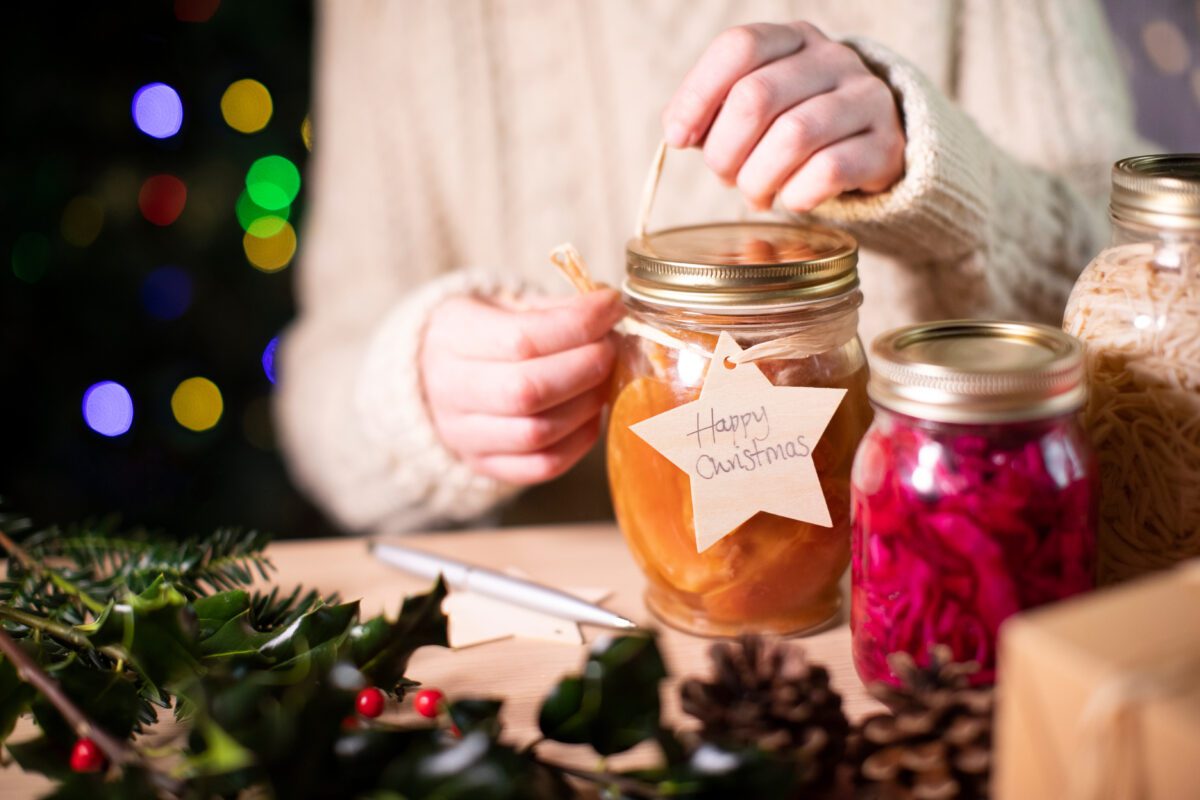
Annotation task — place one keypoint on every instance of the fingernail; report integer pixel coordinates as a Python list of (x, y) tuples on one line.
[(678, 134)]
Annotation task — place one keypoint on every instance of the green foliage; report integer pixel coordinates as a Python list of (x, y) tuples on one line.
[(614, 704), (264, 685), (382, 649), (15, 697)]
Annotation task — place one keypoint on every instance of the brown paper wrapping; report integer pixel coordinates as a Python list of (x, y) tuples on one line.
[(1100, 696)]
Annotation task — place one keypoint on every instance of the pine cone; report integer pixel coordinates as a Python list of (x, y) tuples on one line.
[(765, 693), (937, 744)]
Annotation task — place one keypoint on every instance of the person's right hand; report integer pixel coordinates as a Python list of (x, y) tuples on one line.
[(517, 394)]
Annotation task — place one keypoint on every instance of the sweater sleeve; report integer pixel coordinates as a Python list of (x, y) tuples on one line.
[(355, 424), (1008, 236)]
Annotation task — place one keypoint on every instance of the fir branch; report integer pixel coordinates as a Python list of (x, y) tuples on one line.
[(65, 585), (62, 633)]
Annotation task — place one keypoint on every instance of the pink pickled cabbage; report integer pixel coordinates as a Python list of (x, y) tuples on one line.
[(956, 527)]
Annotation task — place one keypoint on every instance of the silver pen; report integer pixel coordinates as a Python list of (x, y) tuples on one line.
[(490, 583)]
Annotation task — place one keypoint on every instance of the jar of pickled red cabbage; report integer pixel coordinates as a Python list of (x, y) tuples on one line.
[(1137, 309), (791, 293), (973, 493)]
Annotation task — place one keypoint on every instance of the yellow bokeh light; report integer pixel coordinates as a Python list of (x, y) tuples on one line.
[(82, 220), (246, 106), (197, 404), (306, 132), (271, 253)]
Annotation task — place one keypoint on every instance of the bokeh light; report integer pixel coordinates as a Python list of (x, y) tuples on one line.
[(195, 10), (167, 293), (257, 220), (157, 110), (31, 257), (306, 132), (82, 220), (273, 182), (268, 358), (246, 106), (271, 253), (197, 404), (108, 408), (162, 198)]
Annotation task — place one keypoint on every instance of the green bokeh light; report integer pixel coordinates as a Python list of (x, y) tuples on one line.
[(258, 221), (31, 257), (273, 182)]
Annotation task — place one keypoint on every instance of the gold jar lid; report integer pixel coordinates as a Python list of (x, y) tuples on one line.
[(977, 371), (740, 267), (1160, 191)]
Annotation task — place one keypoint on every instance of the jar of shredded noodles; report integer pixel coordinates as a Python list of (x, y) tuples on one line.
[(788, 295), (1137, 309)]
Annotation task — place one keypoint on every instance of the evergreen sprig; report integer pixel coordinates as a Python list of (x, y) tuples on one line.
[(264, 685)]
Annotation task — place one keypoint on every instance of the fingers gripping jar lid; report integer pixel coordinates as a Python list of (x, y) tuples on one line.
[(1160, 191), (977, 371), (740, 267)]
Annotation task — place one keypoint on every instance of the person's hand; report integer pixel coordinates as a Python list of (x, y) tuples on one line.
[(782, 111), (515, 394)]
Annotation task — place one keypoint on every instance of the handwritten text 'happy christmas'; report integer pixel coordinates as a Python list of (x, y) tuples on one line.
[(754, 429)]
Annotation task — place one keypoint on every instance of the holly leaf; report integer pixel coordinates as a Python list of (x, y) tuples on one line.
[(474, 714), (224, 625), (381, 650), (43, 756), (475, 767), (15, 698), (133, 784), (614, 704), (315, 637), (110, 699), (221, 753), (152, 628)]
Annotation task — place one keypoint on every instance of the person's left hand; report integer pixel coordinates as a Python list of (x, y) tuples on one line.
[(783, 111)]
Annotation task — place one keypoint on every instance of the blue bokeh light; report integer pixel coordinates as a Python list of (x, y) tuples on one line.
[(108, 408), (167, 293), (268, 359), (157, 110)]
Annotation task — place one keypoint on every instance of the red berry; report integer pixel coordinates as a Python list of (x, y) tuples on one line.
[(427, 702), (86, 756), (370, 702)]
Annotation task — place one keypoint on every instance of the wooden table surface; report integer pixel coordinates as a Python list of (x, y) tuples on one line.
[(519, 671)]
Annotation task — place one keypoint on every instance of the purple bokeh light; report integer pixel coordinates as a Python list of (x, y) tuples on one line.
[(108, 408), (157, 110), (268, 359)]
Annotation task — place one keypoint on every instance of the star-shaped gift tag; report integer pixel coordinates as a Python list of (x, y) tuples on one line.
[(746, 445)]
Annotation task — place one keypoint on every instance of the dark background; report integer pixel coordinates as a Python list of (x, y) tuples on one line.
[(73, 315), (70, 72)]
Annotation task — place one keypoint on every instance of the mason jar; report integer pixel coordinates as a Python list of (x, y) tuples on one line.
[(789, 295), (1137, 309), (973, 493)]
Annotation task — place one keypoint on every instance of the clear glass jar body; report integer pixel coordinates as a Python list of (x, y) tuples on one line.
[(771, 574), (957, 526), (1136, 307)]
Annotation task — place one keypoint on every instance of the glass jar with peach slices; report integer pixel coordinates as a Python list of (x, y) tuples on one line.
[(792, 291)]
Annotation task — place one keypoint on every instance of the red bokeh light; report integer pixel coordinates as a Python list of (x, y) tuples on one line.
[(195, 10), (162, 198)]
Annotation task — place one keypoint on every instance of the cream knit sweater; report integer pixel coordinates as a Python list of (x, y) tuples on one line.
[(457, 141)]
